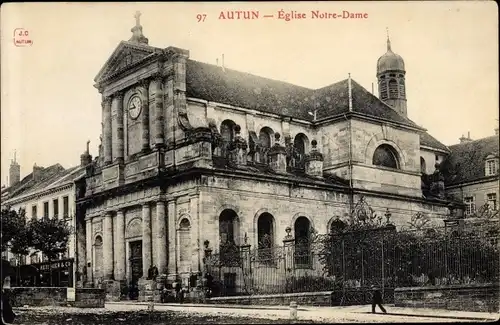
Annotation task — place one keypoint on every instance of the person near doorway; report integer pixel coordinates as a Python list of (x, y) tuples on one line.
[(377, 299)]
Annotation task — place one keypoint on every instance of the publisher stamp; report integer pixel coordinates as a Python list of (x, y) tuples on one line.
[(22, 37)]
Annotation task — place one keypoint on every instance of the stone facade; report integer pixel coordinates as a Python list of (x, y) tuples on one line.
[(476, 298), (176, 173)]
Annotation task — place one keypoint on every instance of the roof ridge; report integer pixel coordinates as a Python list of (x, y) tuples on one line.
[(252, 74), (476, 140)]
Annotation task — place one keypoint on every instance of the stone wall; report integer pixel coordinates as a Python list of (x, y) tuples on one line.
[(478, 298), (305, 298), (56, 296), (478, 191)]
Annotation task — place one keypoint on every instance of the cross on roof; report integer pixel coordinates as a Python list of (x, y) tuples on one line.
[(137, 17)]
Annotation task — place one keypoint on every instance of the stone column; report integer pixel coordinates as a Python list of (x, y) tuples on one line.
[(161, 238), (107, 130), (107, 245), (119, 248), (195, 241), (146, 239), (88, 246), (145, 116), (119, 128), (172, 249), (159, 120)]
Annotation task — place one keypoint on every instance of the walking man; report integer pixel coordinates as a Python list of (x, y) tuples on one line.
[(377, 300)]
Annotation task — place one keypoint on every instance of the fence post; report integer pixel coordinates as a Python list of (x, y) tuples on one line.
[(246, 267), (288, 246)]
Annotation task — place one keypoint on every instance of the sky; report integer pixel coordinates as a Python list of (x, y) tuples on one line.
[(49, 107)]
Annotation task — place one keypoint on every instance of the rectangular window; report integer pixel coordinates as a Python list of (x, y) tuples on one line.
[(65, 207), (492, 201), (33, 211), (55, 204), (491, 167), (45, 209), (470, 206), (437, 158)]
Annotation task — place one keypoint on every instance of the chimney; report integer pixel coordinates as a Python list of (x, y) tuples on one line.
[(464, 139), (14, 172), (37, 172), (217, 61), (223, 62)]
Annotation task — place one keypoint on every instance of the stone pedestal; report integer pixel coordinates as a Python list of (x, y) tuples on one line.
[(150, 290), (113, 290)]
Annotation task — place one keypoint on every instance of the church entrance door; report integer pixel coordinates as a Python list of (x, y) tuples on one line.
[(136, 266)]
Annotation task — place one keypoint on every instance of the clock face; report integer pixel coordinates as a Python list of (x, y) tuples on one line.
[(135, 107)]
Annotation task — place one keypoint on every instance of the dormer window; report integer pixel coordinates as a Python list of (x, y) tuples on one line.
[(491, 166)]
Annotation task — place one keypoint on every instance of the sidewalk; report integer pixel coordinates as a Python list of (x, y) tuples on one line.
[(337, 314)]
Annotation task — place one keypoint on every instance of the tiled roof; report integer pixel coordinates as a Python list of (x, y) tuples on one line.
[(427, 140), (50, 177), (466, 162), (212, 83)]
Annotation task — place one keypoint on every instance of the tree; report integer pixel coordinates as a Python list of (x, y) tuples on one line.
[(49, 236), (15, 234)]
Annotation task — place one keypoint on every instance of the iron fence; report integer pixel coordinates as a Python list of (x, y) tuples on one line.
[(349, 264)]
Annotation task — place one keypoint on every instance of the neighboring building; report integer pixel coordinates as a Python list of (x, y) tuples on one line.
[(471, 177), (196, 154), (46, 192)]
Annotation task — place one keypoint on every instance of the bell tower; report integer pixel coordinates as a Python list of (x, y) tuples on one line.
[(391, 79)]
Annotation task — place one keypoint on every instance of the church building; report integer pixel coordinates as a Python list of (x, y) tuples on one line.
[(196, 156)]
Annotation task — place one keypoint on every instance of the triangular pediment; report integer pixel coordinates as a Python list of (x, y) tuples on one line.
[(125, 55)]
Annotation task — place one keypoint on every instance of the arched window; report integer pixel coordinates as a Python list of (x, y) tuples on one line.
[(228, 133), (300, 145), (402, 88), (385, 156), (265, 136), (423, 166), (302, 233), (265, 231), (228, 227), (393, 88), (265, 237), (383, 89), (184, 240), (98, 258), (337, 226)]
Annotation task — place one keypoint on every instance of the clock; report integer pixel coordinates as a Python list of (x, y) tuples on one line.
[(135, 107)]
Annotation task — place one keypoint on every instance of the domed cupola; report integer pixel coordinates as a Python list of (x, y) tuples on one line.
[(390, 61), (391, 79)]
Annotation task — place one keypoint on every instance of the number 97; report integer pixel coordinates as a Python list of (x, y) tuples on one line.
[(201, 17)]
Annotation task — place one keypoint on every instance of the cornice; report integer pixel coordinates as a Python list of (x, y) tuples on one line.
[(38, 195)]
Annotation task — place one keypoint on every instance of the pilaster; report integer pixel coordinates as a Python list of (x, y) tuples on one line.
[(160, 238), (119, 246), (107, 130), (159, 135), (119, 128), (195, 242), (172, 234), (146, 239), (107, 246), (88, 248), (145, 115)]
